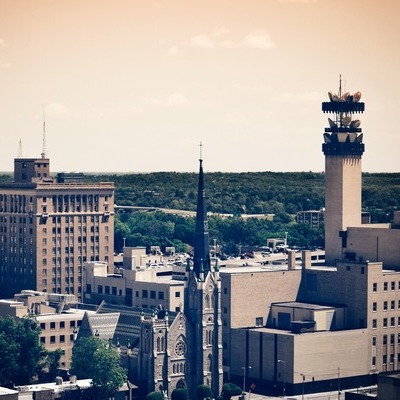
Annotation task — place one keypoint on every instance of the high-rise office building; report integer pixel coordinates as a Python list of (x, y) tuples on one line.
[(49, 227)]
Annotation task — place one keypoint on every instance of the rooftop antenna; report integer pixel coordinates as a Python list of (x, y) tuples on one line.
[(44, 151), (340, 85), (20, 149), (201, 151)]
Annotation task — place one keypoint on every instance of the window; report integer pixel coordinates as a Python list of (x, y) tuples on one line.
[(384, 339), (385, 286), (62, 338), (374, 306), (88, 288), (100, 289), (385, 322), (374, 287), (52, 339), (392, 359), (385, 306), (72, 324), (107, 289), (384, 359), (152, 294), (42, 326), (259, 321), (161, 295), (392, 305), (43, 340), (225, 290), (145, 294), (392, 285), (52, 325), (225, 310), (374, 324), (373, 361), (392, 338), (373, 340), (177, 294), (62, 324), (392, 322), (114, 291)]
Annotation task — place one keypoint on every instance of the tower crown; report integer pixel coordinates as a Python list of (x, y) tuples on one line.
[(344, 136)]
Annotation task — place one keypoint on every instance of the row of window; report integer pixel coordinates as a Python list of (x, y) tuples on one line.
[(385, 305), (53, 339), (153, 294), (61, 324), (385, 359), (385, 321), (385, 339), (386, 286)]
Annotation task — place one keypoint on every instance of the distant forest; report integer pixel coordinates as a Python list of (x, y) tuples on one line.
[(282, 194)]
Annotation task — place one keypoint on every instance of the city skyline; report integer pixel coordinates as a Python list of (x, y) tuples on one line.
[(134, 86)]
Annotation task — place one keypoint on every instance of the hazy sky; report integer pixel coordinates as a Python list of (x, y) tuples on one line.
[(135, 85)]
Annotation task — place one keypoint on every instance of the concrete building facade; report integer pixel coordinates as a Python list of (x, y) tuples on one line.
[(48, 230)]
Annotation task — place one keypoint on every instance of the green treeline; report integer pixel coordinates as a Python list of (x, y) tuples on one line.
[(249, 192), (278, 193)]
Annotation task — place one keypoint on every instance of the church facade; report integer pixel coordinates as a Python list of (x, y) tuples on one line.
[(182, 349)]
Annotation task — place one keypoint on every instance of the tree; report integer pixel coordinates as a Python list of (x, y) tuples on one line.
[(50, 363), (155, 396), (20, 351), (229, 390), (202, 392), (93, 358), (179, 393)]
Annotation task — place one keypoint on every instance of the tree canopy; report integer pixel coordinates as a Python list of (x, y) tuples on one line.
[(230, 389), (93, 358), (20, 351)]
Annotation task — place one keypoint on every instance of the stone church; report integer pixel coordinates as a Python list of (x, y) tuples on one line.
[(184, 348)]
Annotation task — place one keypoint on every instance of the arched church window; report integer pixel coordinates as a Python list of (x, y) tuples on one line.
[(158, 344), (209, 361), (207, 301), (162, 346)]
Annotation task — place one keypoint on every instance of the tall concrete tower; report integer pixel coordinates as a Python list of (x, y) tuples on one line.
[(343, 148)]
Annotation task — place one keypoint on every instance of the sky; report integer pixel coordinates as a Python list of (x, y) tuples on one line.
[(136, 85)]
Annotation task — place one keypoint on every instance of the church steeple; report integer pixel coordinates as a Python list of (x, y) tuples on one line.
[(202, 237)]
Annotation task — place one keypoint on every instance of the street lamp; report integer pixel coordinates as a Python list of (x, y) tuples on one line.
[(284, 371), (244, 379)]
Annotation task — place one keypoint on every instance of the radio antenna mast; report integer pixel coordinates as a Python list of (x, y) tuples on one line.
[(20, 149), (44, 150)]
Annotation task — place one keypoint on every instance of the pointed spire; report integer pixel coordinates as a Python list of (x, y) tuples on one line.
[(202, 238)]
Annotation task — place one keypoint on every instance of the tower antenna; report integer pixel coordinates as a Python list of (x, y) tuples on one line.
[(201, 151), (20, 149), (44, 150)]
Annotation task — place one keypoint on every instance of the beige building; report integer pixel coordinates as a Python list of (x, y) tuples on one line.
[(60, 320), (143, 282), (49, 228)]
